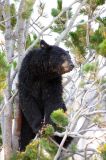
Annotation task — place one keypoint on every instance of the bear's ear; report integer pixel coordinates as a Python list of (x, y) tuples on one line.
[(44, 45)]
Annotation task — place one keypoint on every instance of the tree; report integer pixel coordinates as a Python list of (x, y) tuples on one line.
[(86, 97)]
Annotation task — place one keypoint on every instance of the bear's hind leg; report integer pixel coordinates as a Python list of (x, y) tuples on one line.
[(26, 135)]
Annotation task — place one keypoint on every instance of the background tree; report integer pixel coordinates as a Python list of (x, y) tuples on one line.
[(85, 87)]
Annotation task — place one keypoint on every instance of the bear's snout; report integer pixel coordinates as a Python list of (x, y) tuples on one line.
[(67, 66)]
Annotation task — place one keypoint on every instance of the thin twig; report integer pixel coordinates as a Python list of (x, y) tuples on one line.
[(9, 101)]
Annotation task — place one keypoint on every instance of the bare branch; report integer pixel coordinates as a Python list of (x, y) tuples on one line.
[(65, 32), (9, 101), (61, 145), (54, 19)]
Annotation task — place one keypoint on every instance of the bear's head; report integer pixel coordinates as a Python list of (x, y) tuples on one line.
[(59, 60)]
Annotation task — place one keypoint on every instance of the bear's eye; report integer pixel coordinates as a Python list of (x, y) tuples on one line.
[(63, 57)]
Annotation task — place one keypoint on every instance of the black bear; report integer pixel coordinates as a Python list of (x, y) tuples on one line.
[(40, 87)]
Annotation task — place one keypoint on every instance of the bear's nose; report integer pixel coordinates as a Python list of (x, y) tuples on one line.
[(71, 66)]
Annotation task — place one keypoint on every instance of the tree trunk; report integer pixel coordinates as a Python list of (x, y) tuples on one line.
[(16, 125), (7, 133)]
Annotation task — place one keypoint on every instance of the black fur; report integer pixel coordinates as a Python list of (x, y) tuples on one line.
[(40, 88)]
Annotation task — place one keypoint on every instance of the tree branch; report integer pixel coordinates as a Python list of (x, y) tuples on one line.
[(44, 29), (69, 27)]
